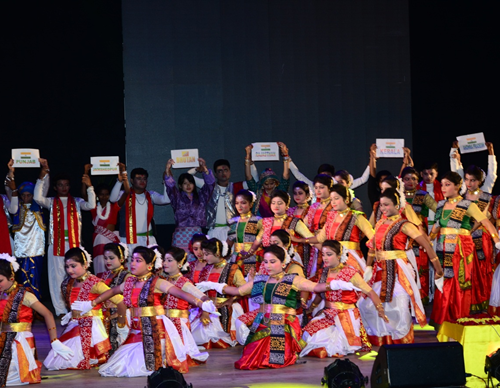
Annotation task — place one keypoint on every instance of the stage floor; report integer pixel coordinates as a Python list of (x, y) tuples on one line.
[(219, 371)]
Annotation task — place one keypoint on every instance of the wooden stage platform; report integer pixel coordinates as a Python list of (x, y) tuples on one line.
[(218, 372)]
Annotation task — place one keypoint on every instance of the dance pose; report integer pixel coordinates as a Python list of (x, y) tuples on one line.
[(17, 344), (188, 203), (393, 277), (337, 329), (457, 253), (85, 333)]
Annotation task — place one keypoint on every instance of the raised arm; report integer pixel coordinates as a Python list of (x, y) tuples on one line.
[(42, 181), (248, 162), (198, 181), (86, 171), (362, 179), (286, 160), (455, 163), (491, 178), (90, 203), (407, 160)]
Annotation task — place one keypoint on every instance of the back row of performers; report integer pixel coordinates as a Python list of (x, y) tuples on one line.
[(133, 323), (214, 207)]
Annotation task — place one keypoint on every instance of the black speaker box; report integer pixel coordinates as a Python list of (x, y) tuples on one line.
[(439, 364)]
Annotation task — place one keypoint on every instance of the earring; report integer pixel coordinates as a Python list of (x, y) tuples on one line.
[(179, 266), (12, 279), (150, 268)]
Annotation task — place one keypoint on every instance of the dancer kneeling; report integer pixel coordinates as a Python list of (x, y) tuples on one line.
[(274, 336), (337, 330), (153, 341), (17, 344), (85, 333)]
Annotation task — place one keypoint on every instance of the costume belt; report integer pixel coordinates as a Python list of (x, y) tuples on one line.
[(339, 305), (461, 231), (148, 311), (174, 313), (277, 309), (350, 245), (15, 327), (390, 255), (75, 314)]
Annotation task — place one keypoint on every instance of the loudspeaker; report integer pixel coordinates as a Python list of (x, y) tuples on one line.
[(439, 364), (167, 378)]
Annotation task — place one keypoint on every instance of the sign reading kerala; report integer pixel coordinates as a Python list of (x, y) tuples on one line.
[(25, 157), (104, 165), (185, 158), (472, 143), (390, 148), (265, 151)]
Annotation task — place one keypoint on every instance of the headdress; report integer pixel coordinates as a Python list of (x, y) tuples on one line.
[(86, 257), (11, 259)]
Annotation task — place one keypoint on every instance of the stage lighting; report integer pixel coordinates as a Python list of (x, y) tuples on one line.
[(167, 378), (343, 374), (492, 365)]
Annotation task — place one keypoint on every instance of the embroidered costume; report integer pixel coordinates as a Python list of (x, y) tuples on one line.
[(243, 235), (101, 219)]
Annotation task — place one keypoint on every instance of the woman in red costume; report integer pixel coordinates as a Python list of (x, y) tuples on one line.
[(457, 253), (393, 277), (197, 265)]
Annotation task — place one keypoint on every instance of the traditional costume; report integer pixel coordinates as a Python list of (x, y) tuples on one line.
[(315, 220), (261, 205), (101, 218), (243, 235), (494, 305)]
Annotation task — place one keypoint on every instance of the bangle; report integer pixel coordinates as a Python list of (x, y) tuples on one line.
[(493, 235), (14, 190), (434, 259), (121, 325), (306, 241), (54, 340), (328, 287), (314, 305), (223, 288)]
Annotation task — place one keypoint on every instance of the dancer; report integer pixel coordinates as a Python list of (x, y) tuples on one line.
[(337, 329), (273, 337), (268, 182), (153, 341), (65, 225), (115, 256), (29, 232), (218, 332), (393, 278), (457, 253), (243, 233), (176, 309), (188, 204), (197, 265), (85, 333), (343, 178), (281, 238), (17, 344)]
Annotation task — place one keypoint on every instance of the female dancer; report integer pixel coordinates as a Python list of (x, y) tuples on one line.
[(17, 344), (345, 179), (457, 253), (153, 340), (338, 330), (176, 309), (243, 232), (197, 265), (346, 226), (316, 217), (218, 332), (268, 182), (393, 278), (282, 239), (115, 255), (85, 333), (188, 204), (273, 338)]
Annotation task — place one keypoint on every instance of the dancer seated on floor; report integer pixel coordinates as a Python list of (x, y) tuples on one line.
[(85, 333), (17, 344), (274, 335)]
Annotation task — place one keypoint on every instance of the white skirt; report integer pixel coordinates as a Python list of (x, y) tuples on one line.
[(13, 377), (190, 344), (128, 359), (332, 338), (56, 362), (495, 289)]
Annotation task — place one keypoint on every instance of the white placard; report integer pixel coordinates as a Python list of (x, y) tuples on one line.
[(26, 157), (185, 158), (472, 143), (390, 148), (265, 151), (104, 165)]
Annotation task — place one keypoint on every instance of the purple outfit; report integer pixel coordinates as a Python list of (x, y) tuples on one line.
[(189, 214)]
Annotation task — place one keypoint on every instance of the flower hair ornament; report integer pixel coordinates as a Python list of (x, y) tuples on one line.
[(401, 192), (254, 196), (288, 259), (86, 257), (124, 250), (343, 254), (11, 259), (158, 259), (225, 249)]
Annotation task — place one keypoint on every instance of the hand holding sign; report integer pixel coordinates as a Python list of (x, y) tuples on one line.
[(26, 157), (104, 165), (472, 143), (390, 148), (266, 151), (185, 158)]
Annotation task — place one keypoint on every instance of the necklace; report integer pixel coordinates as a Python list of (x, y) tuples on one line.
[(303, 205), (139, 202), (144, 277), (325, 200), (116, 270), (337, 268), (280, 218), (103, 215), (201, 259), (279, 277), (84, 277), (476, 192), (343, 212), (410, 193), (455, 199), (173, 278), (220, 264), (393, 218), (246, 215), (11, 288)]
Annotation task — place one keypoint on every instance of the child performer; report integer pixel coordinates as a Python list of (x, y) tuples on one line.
[(176, 309), (85, 333), (338, 330), (197, 265), (17, 344)]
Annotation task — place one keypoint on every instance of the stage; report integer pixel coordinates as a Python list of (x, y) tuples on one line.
[(219, 370)]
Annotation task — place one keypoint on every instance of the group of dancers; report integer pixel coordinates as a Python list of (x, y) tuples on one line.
[(284, 281)]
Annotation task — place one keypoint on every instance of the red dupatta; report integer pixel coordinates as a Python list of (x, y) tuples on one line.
[(58, 227), (438, 193), (130, 229)]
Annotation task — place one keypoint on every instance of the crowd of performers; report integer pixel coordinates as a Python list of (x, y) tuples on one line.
[(283, 281)]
